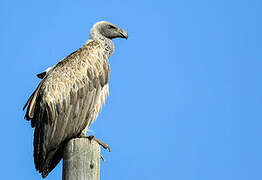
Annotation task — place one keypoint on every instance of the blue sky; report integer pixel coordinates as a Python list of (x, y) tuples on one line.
[(185, 88)]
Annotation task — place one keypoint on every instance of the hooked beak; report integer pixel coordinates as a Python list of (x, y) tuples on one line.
[(123, 33)]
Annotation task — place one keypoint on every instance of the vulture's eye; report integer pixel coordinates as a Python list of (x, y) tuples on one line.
[(111, 27)]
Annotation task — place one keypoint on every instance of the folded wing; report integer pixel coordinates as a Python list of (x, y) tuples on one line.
[(66, 102)]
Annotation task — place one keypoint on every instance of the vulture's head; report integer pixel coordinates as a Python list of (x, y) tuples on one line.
[(107, 30)]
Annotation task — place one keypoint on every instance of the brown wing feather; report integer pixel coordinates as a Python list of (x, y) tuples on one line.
[(64, 103), (31, 102), (41, 75)]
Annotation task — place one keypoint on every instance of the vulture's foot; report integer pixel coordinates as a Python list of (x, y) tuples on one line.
[(101, 143)]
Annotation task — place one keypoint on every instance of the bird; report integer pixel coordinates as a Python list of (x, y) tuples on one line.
[(70, 95)]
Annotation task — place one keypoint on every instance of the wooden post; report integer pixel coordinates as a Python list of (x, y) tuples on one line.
[(81, 160)]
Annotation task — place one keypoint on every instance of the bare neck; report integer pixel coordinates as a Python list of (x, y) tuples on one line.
[(108, 43)]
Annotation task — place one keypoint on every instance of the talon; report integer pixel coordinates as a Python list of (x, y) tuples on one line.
[(90, 137), (105, 146), (101, 157)]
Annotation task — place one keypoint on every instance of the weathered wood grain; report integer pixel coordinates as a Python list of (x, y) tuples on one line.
[(81, 160)]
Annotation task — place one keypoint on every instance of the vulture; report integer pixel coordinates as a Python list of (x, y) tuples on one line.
[(70, 96)]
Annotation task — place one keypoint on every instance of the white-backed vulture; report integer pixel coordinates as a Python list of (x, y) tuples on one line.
[(70, 95)]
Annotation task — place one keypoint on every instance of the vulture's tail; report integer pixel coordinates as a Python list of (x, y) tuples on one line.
[(46, 163)]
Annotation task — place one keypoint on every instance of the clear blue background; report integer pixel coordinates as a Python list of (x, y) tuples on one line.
[(185, 89)]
